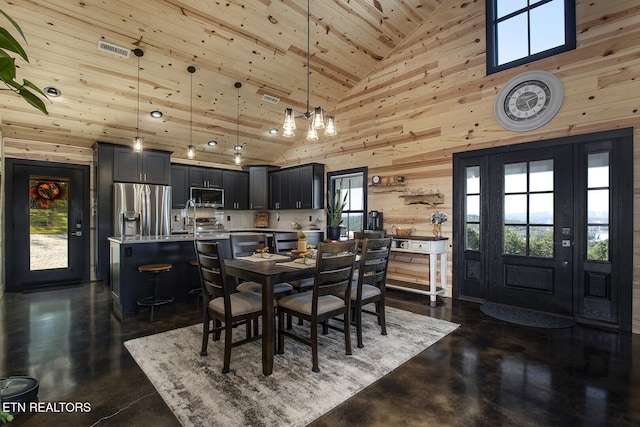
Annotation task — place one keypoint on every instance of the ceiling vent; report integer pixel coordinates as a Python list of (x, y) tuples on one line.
[(122, 52), (270, 99)]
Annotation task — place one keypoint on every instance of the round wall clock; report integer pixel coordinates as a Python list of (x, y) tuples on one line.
[(529, 101), (375, 180)]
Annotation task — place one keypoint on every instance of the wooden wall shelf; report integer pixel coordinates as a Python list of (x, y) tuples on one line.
[(380, 188), (425, 199)]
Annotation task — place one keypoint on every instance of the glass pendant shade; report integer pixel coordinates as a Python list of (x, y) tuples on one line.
[(318, 118), (137, 143), (289, 122), (288, 133), (191, 151), (312, 135), (330, 129), (237, 158)]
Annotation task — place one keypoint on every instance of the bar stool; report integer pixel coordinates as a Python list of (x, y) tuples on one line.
[(196, 291), (154, 300)]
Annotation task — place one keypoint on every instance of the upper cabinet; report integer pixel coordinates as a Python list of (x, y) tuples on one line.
[(205, 177), (179, 186), (149, 167), (299, 187), (259, 186), (236, 189)]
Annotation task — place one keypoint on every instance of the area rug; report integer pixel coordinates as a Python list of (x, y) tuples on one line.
[(525, 317), (200, 395)]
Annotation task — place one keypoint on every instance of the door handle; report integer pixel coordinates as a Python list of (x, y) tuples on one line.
[(76, 233)]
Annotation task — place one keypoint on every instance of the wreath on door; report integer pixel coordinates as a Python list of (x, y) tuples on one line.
[(45, 194)]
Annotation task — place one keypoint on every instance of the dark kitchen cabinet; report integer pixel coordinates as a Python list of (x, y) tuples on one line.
[(236, 189), (149, 167), (205, 177), (179, 186), (300, 187), (259, 186), (279, 189)]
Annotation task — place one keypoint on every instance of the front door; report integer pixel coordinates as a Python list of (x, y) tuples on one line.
[(548, 226), (47, 224)]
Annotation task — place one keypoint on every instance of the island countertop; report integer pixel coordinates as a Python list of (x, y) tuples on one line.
[(209, 235)]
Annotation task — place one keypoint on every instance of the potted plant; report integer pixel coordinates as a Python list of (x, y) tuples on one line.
[(27, 90), (302, 241), (335, 207)]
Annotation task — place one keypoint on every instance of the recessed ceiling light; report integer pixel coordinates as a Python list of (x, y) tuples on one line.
[(273, 131), (156, 114), (212, 143), (52, 92)]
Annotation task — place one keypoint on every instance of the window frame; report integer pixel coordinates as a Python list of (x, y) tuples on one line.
[(491, 29), (332, 176)]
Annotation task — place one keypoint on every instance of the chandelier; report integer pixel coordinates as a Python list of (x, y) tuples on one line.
[(316, 117)]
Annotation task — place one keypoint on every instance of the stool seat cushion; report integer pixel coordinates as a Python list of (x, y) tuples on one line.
[(241, 303), (368, 291), (154, 268)]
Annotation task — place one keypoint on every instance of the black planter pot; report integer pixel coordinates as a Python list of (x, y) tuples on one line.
[(333, 232)]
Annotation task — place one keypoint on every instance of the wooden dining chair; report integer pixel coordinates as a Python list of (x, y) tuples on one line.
[(246, 244), (334, 268), (370, 285), (225, 307), (369, 234), (284, 242)]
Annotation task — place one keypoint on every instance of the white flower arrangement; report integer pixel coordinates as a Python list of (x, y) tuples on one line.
[(438, 217)]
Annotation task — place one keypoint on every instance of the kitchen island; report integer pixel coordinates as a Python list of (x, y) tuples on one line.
[(126, 253)]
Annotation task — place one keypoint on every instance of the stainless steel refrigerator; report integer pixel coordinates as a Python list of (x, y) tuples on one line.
[(141, 209)]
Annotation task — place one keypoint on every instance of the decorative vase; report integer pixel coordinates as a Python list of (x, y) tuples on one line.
[(302, 245), (437, 230)]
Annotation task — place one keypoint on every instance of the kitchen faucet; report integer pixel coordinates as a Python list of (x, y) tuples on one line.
[(191, 202)]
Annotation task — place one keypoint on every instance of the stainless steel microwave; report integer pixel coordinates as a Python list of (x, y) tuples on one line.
[(207, 197)]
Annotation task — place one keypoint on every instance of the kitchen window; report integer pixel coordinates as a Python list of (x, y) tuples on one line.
[(523, 31), (352, 181)]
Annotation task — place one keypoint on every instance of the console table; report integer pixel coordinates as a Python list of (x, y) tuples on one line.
[(427, 246)]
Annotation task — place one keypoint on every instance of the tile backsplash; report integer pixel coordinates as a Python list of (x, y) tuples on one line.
[(308, 219)]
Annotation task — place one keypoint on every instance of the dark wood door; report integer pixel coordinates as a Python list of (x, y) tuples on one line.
[(547, 226), (533, 212), (47, 224)]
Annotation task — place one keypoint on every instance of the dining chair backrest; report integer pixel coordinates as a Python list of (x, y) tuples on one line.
[(334, 268), (374, 260), (213, 272), (246, 244), (285, 241), (370, 234)]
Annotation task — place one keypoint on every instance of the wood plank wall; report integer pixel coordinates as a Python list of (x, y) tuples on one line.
[(431, 97)]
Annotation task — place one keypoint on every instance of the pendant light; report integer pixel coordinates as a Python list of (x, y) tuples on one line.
[(316, 117), (138, 140), (237, 155), (191, 150)]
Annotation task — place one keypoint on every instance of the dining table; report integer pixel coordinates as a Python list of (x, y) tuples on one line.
[(268, 273)]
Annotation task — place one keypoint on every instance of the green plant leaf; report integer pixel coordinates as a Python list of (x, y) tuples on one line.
[(9, 43), (15, 24), (34, 87), (33, 99), (7, 68)]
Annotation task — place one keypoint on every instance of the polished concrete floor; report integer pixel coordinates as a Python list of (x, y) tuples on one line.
[(486, 373)]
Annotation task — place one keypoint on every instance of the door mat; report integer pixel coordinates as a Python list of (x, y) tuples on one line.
[(526, 317)]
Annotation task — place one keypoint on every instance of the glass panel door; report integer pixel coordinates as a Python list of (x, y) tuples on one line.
[(48, 222)]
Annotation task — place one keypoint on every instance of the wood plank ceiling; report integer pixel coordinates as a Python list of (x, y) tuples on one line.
[(260, 43)]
